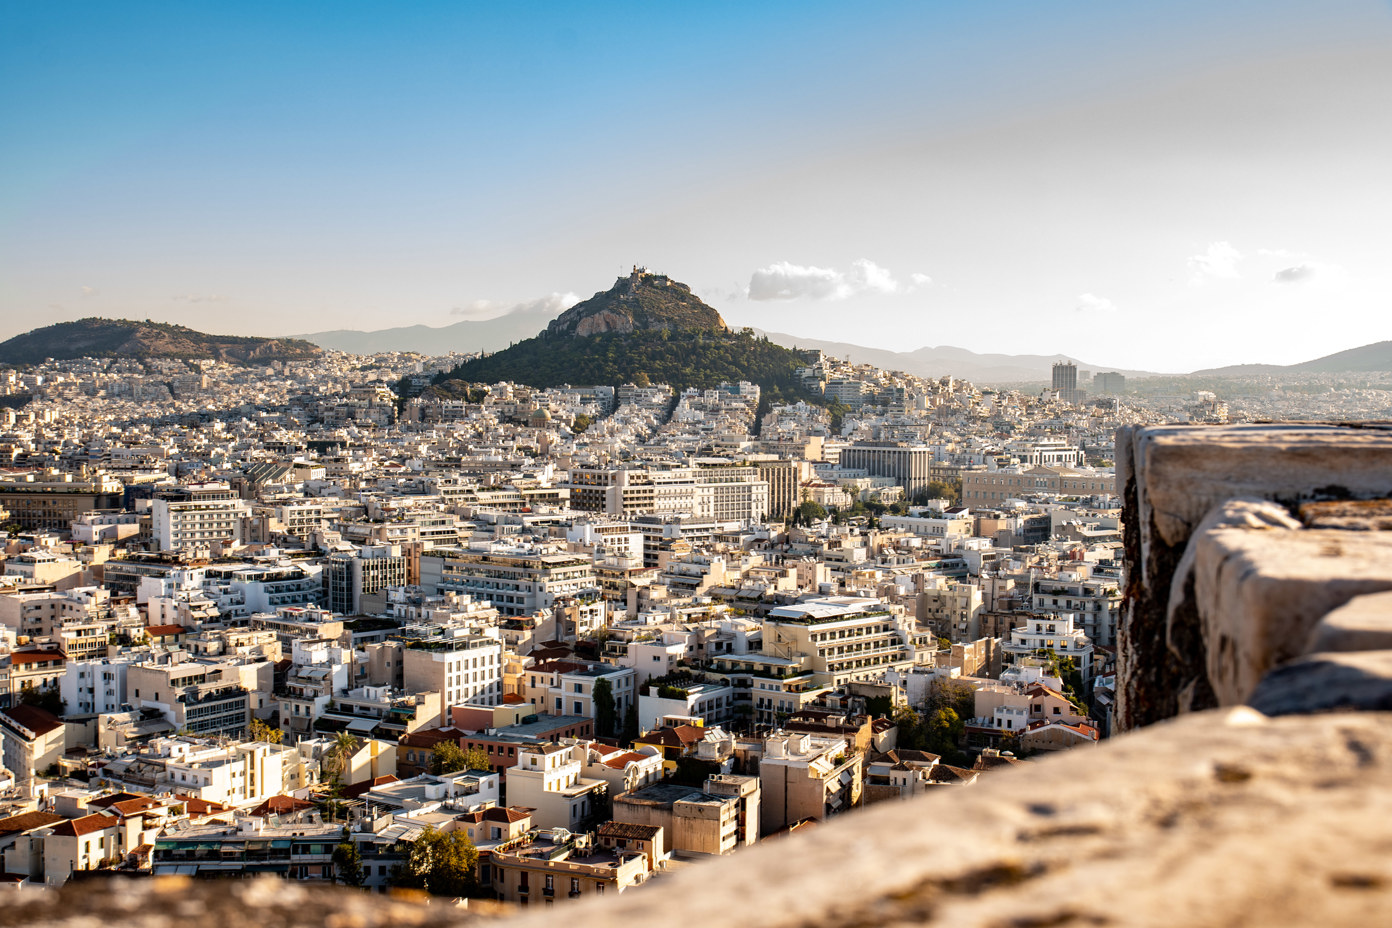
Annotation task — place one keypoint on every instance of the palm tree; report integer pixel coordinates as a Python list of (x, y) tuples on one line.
[(344, 745)]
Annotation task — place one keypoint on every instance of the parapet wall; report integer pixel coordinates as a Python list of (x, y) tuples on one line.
[(1236, 552)]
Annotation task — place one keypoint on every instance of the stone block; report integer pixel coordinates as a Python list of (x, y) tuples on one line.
[(1325, 682), (1364, 623), (1171, 478), (1259, 595)]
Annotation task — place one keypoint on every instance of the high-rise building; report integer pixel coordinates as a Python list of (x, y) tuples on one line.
[(1066, 381), (1109, 382)]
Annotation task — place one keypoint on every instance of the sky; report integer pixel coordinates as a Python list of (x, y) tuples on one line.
[(1159, 186)]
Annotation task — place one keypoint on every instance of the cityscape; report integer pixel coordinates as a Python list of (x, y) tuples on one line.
[(357, 570)]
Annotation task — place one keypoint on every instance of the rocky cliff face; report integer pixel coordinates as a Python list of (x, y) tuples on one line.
[(642, 300)]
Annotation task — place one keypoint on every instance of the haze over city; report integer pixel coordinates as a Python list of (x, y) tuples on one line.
[(1161, 187)]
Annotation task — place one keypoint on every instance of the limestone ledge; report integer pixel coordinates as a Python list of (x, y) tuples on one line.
[(1217, 818), (1260, 594), (1176, 481)]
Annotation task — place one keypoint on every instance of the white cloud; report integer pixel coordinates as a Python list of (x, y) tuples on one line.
[(917, 281), (786, 281), (89, 291), (478, 310), (1219, 260), (1293, 275), (198, 298), (1091, 303)]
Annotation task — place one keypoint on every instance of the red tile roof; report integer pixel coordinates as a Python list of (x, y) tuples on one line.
[(35, 657), (623, 760), (88, 824), (27, 821), (39, 721), (281, 805), (164, 631)]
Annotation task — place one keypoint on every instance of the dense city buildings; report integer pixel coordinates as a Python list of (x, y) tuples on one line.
[(598, 632)]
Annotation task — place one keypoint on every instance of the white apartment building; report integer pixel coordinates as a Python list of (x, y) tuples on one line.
[(548, 778), (465, 669), (573, 691), (1094, 603), (92, 686), (846, 637), (517, 581), (1042, 634), (200, 514)]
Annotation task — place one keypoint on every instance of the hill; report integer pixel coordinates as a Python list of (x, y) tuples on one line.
[(1363, 359), (645, 326), (642, 300), (122, 338), (466, 336)]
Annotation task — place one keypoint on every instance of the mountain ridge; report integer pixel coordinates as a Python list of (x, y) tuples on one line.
[(95, 336)]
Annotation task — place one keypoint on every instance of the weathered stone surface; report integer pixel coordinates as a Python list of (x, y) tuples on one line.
[(1221, 818), (1362, 515), (1321, 682), (1364, 623), (1185, 471), (266, 902), (1259, 594), (1170, 478)]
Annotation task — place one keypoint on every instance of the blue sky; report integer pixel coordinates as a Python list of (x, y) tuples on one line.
[(1149, 185)]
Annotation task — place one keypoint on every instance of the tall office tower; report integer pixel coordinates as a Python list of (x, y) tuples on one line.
[(1066, 381)]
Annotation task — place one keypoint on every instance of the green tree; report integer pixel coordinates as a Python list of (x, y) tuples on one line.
[(47, 698), (260, 731), (581, 423), (910, 725), (630, 723), (944, 731), (441, 863), (606, 714), (447, 757), (476, 758), (808, 512), (879, 707), (348, 864)]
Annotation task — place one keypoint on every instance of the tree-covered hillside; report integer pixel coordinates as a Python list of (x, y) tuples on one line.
[(684, 358)]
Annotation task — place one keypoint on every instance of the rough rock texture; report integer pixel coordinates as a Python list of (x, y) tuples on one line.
[(265, 902), (1363, 624), (1362, 515), (641, 300), (1259, 594), (1171, 478), (1359, 680), (1220, 818), (1323, 682)]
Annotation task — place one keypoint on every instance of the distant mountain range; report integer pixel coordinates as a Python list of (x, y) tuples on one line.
[(464, 337), (496, 334), (1374, 357), (944, 360), (123, 338)]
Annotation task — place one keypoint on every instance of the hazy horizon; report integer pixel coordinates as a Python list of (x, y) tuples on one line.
[(1158, 188)]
